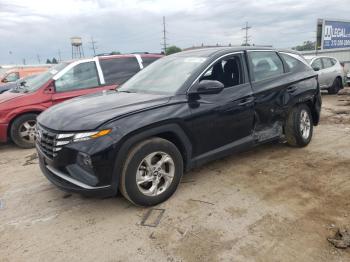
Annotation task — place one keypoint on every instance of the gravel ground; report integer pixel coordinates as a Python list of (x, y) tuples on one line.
[(272, 203)]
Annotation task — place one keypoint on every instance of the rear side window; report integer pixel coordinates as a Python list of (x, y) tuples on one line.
[(265, 64), (294, 62), (119, 70), (333, 61), (327, 62), (148, 60)]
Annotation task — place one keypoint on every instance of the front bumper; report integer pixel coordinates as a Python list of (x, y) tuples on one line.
[(3, 133), (66, 182)]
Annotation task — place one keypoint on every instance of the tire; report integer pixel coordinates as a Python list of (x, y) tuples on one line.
[(298, 122), (143, 163), (334, 89), (22, 125)]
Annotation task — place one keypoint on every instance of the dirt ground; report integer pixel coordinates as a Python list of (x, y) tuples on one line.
[(273, 203)]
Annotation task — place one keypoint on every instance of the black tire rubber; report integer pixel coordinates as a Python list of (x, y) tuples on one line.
[(128, 186), (14, 130), (292, 127), (334, 89)]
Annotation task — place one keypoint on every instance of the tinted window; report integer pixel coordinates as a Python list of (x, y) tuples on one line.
[(265, 65), (148, 60), (227, 71), (294, 62), (317, 64), (81, 76), (119, 70), (327, 62)]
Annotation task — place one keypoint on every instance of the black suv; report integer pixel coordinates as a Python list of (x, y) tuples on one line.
[(179, 112)]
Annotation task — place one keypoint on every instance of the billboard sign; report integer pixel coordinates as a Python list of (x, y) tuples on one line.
[(335, 34)]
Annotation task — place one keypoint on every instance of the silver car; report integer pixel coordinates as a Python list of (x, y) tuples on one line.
[(330, 72)]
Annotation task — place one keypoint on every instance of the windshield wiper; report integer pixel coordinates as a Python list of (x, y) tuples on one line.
[(125, 91)]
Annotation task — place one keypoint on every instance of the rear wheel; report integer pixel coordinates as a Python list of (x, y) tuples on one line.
[(22, 131), (152, 172), (299, 126), (334, 89)]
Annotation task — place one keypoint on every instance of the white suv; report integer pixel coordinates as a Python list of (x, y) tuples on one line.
[(330, 72)]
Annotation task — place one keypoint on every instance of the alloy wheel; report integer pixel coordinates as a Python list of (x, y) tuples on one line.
[(305, 124), (155, 173)]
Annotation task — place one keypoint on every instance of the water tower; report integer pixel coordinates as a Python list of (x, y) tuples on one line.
[(77, 47)]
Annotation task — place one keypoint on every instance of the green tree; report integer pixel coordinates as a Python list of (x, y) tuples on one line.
[(306, 46), (54, 61), (48, 61), (172, 50), (115, 53)]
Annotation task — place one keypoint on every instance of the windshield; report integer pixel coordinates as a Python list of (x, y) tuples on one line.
[(165, 76), (34, 83)]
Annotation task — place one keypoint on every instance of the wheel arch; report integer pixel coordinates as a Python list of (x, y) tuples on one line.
[(341, 81), (37, 112), (172, 132)]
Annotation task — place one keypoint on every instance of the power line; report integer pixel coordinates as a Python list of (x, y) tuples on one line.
[(93, 45), (164, 35), (246, 37)]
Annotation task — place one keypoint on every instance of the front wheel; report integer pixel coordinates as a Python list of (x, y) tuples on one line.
[(151, 173), (299, 126), (23, 131)]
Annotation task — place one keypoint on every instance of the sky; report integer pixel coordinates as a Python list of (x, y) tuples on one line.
[(37, 29)]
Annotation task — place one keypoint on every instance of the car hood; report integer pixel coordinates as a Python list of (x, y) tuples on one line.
[(7, 96), (89, 112)]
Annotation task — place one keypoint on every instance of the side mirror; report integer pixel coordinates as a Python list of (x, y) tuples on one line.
[(50, 89), (316, 68), (207, 87), (4, 80)]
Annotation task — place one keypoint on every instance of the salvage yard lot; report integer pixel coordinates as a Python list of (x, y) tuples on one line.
[(272, 203)]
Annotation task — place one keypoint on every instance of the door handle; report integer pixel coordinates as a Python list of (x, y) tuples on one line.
[(291, 89), (246, 101)]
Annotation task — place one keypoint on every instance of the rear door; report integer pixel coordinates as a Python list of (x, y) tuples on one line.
[(330, 71), (82, 79), (269, 84)]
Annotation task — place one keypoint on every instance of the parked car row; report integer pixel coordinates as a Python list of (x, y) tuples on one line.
[(20, 106), (178, 113)]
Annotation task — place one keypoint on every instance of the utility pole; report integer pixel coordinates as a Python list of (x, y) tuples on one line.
[(38, 57), (164, 36), (24, 61), (93, 45), (246, 37), (59, 55)]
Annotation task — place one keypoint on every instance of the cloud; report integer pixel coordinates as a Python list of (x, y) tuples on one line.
[(31, 28)]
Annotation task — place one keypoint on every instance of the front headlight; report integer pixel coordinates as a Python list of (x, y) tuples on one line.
[(64, 139)]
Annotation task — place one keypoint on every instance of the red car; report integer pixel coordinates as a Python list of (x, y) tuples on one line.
[(19, 107)]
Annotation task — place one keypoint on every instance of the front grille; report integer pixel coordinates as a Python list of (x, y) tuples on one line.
[(46, 141), (50, 142)]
